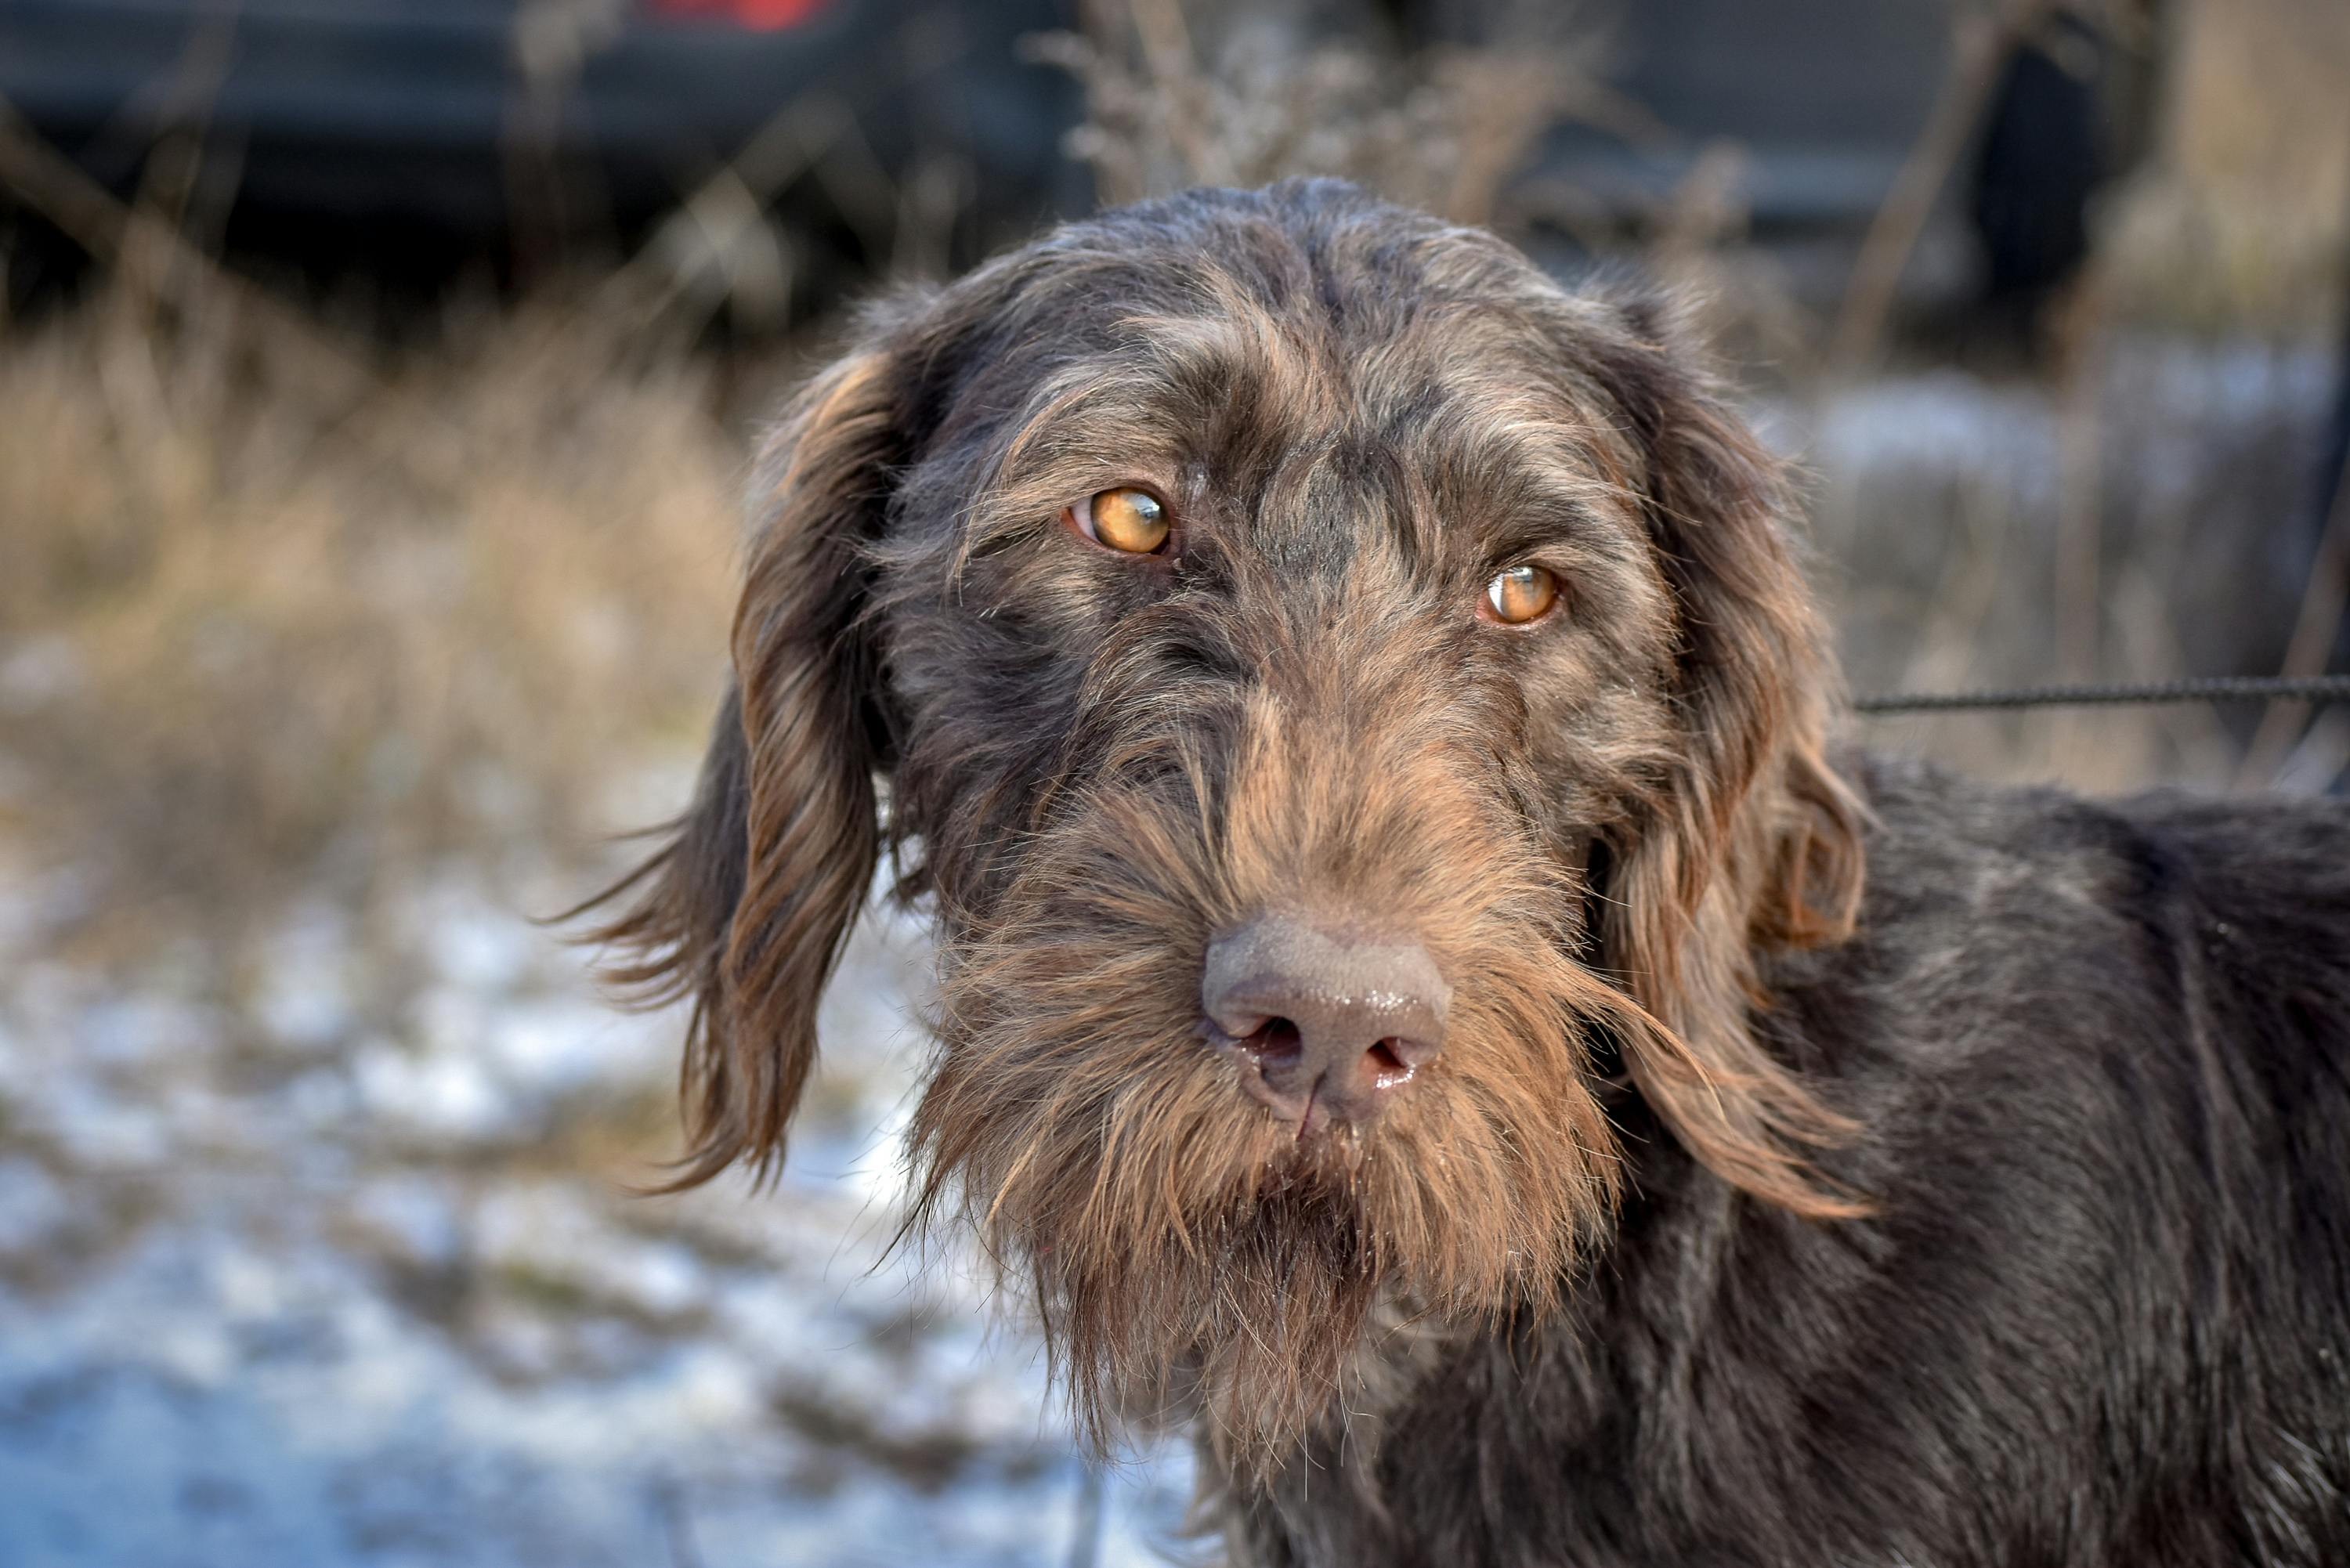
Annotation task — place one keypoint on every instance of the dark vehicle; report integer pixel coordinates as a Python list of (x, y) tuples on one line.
[(405, 129), (416, 127)]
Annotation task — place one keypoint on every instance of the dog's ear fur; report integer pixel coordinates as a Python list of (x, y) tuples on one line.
[(1750, 839), (746, 907)]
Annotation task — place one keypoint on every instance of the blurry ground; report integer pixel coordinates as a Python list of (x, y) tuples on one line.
[(278, 1288), (325, 667)]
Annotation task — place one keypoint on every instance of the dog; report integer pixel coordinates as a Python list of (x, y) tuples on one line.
[(1425, 1000)]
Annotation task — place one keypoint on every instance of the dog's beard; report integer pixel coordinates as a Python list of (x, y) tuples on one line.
[(1188, 1252)]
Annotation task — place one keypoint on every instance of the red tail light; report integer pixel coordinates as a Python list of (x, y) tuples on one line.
[(756, 15)]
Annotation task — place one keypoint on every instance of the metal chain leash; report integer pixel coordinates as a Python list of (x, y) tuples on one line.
[(2198, 689)]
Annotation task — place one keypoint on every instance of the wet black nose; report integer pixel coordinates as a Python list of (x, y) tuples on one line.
[(1328, 1024)]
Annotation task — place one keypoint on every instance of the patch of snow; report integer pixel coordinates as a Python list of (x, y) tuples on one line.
[(335, 1303), (32, 1207), (440, 1093)]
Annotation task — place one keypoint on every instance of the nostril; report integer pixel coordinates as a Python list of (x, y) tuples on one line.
[(1277, 1040), (1386, 1064)]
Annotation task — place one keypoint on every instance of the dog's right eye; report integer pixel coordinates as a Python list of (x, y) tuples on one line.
[(1126, 519), (1520, 594)]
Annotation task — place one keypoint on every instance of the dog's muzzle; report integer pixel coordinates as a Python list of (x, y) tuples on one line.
[(1329, 1025)]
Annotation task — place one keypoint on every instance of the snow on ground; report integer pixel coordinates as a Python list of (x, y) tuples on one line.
[(284, 1284)]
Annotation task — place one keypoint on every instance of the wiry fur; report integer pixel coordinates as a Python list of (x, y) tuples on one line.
[(1614, 1258)]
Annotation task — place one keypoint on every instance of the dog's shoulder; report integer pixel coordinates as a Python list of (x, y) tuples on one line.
[(2100, 1054), (1996, 863), (2028, 926), (1974, 885)]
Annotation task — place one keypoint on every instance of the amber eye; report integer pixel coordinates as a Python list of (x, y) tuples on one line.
[(1134, 521), (1520, 594)]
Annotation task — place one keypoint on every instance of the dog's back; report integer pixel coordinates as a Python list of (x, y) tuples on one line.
[(2102, 1315)]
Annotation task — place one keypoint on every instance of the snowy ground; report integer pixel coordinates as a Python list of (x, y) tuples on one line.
[(278, 1289)]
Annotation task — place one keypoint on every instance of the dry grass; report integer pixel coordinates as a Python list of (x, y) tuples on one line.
[(280, 619), (2244, 217), (1220, 94)]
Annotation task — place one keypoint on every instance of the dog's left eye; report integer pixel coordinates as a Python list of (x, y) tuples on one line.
[(1127, 519), (1520, 594)]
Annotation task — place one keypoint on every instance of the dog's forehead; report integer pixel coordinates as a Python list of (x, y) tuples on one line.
[(1311, 388)]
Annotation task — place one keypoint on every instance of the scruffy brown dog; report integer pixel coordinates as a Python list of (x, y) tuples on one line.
[(1409, 1007)]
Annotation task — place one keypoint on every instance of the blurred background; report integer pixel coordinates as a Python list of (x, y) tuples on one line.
[(376, 378)]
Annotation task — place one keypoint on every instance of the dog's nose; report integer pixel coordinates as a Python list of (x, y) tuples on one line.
[(1328, 1024)]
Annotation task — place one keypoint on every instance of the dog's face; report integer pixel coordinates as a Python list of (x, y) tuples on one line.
[(1344, 695)]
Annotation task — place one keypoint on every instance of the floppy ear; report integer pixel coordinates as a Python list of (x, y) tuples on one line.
[(1750, 840), (747, 906)]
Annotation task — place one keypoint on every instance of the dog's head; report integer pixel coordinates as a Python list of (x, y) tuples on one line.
[(1346, 697)]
